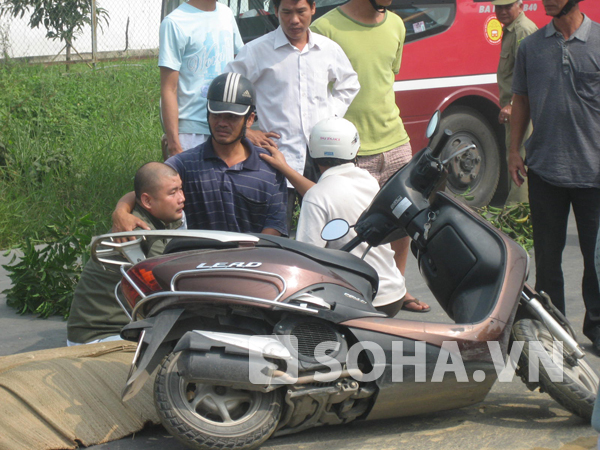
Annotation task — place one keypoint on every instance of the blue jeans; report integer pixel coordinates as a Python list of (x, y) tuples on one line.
[(550, 206)]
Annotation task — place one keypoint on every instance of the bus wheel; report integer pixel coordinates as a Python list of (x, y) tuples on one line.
[(474, 174)]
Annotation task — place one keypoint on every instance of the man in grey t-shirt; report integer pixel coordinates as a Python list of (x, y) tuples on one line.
[(555, 82)]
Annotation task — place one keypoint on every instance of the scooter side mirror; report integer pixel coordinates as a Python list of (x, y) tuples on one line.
[(433, 125), (335, 229)]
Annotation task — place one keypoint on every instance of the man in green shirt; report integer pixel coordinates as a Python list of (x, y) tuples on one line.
[(373, 40), (95, 313), (516, 28)]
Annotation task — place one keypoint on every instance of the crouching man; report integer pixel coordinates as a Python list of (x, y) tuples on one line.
[(343, 191), (95, 315), (228, 186)]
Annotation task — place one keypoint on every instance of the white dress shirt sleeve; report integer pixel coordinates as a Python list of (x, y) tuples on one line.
[(345, 82)]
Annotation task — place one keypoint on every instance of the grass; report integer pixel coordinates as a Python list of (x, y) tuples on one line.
[(72, 140)]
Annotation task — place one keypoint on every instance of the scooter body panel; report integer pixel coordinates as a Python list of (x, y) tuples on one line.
[(444, 380)]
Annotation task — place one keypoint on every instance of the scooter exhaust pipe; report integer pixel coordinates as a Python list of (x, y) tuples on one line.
[(234, 371), (224, 370), (226, 359), (240, 361)]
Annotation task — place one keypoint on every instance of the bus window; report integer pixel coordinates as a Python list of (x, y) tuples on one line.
[(425, 19), (257, 17), (254, 17)]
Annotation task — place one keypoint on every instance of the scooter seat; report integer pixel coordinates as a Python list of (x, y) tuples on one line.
[(334, 259), (178, 244)]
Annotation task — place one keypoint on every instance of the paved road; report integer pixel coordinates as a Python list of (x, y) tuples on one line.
[(511, 417)]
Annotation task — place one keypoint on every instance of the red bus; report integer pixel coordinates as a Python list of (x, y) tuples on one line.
[(451, 66), (449, 63)]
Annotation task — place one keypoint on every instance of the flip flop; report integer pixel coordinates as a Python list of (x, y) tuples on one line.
[(406, 302)]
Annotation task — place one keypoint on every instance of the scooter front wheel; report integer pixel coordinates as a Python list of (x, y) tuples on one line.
[(579, 386), (208, 417)]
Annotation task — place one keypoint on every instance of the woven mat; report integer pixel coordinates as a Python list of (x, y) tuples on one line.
[(68, 397)]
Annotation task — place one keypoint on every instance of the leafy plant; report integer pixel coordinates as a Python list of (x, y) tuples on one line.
[(295, 215), (44, 278), (63, 19), (514, 220)]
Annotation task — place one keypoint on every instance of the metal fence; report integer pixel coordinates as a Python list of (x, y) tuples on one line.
[(132, 30)]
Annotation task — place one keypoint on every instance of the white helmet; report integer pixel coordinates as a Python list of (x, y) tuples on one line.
[(334, 138)]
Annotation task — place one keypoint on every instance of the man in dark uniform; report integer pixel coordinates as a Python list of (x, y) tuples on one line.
[(95, 313), (516, 28)]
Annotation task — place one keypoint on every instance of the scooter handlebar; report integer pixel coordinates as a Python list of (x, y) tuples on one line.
[(353, 244)]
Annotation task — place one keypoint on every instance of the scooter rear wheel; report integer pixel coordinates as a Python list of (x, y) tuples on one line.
[(578, 389), (209, 417)]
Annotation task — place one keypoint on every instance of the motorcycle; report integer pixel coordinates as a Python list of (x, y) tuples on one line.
[(249, 336)]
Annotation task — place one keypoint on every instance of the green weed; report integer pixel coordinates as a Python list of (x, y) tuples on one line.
[(72, 140)]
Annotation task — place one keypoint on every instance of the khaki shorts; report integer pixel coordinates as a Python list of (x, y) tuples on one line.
[(383, 165)]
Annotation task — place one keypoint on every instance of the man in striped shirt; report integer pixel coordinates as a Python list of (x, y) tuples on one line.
[(228, 187)]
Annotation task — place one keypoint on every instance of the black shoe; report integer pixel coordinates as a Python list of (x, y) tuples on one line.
[(596, 345), (595, 338)]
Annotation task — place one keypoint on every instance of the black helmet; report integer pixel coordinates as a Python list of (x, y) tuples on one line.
[(231, 93)]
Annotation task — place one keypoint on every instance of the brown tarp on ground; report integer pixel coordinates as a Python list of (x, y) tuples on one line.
[(67, 397)]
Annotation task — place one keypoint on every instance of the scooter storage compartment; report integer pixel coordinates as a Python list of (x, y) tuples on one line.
[(445, 277), (460, 263)]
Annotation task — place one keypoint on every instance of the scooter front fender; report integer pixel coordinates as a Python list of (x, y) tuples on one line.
[(152, 348)]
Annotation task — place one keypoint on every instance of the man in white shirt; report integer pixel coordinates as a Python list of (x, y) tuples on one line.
[(343, 191), (300, 78), (197, 40)]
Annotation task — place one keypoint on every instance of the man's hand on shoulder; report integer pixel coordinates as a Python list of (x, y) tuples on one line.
[(275, 159), (262, 139), (122, 218), (124, 221), (278, 162)]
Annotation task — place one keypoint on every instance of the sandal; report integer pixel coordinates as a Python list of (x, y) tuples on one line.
[(416, 301)]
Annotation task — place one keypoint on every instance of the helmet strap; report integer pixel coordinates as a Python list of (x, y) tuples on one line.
[(567, 8), (377, 7), (243, 132)]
